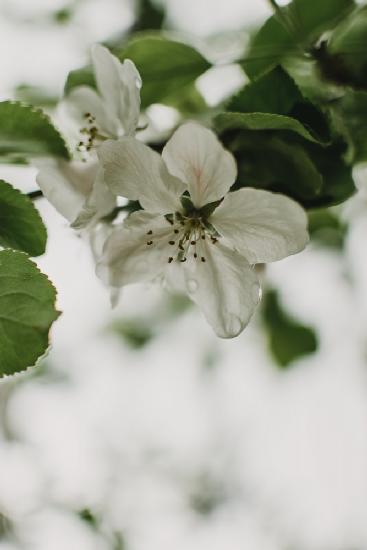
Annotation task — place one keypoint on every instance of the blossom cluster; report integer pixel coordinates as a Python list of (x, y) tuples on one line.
[(192, 231)]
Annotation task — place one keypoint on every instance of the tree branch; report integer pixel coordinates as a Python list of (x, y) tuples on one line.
[(34, 195)]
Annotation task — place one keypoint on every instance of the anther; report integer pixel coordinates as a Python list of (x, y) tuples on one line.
[(193, 242), (176, 231), (183, 260), (171, 242), (170, 260), (203, 237), (195, 255), (203, 259), (150, 232), (149, 243)]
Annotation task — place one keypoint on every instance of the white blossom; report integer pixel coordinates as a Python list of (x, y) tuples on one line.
[(76, 188), (192, 226)]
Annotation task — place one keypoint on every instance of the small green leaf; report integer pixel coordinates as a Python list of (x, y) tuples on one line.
[(292, 31), (150, 16), (26, 131), (269, 162), (326, 229), (275, 92), (288, 339), (80, 77), (166, 66), (21, 225), (27, 310), (261, 121), (349, 115)]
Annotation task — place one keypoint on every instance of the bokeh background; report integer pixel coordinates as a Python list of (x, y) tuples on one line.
[(141, 430)]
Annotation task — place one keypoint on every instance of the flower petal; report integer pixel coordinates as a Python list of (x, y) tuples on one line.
[(128, 258), (225, 287), (66, 184), (195, 155), (99, 203), (135, 171), (119, 86), (82, 100), (264, 226), (130, 110)]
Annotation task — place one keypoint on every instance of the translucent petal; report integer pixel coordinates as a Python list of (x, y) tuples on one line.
[(224, 286), (264, 226), (66, 185), (128, 258), (195, 155), (133, 170)]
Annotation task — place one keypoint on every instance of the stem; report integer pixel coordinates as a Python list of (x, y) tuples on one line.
[(34, 195), (274, 5)]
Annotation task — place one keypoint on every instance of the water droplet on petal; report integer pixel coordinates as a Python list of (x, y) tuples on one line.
[(192, 285), (233, 325), (256, 293)]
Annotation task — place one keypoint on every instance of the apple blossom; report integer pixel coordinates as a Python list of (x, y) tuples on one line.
[(191, 222)]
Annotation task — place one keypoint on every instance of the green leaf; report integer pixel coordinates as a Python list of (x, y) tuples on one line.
[(288, 339), (80, 77), (150, 16), (135, 332), (275, 92), (21, 225), (27, 310), (349, 115), (269, 162), (166, 66), (26, 131), (262, 121), (326, 229), (345, 55), (291, 31)]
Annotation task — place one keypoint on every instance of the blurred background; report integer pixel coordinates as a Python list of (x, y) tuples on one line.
[(141, 430)]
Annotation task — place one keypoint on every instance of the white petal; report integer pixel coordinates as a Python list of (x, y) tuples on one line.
[(360, 177), (127, 258), (135, 171), (84, 100), (130, 108), (195, 155), (66, 184), (264, 226), (106, 70), (119, 86), (99, 203), (225, 288)]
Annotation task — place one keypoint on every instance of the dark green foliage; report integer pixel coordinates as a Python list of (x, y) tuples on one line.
[(150, 16), (288, 339), (27, 310), (21, 226), (26, 132), (326, 229)]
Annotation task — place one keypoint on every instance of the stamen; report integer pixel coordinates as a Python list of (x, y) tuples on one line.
[(176, 231), (149, 243), (171, 243), (195, 255), (170, 260), (183, 260), (203, 259), (150, 232)]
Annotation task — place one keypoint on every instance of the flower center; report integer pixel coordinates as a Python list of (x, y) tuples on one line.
[(187, 239), (89, 134)]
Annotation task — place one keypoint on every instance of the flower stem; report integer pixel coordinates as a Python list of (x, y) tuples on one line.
[(34, 195)]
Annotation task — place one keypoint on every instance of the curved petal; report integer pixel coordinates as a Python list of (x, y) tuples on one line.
[(66, 184), (264, 226), (225, 288), (130, 109), (82, 100), (195, 155), (119, 86), (99, 203), (135, 171), (128, 258)]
